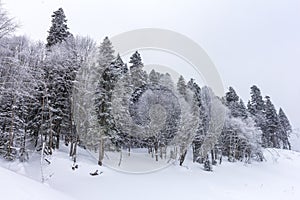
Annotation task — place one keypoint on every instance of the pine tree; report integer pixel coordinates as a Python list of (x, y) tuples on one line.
[(103, 102), (59, 30), (200, 133), (256, 107), (182, 87), (272, 131), (138, 75), (105, 56), (232, 102), (286, 129), (154, 77), (242, 110)]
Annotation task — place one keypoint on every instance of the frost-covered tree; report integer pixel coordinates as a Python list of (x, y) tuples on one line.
[(272, 126), (200, 132), (19, 76), (7, 24), (256, 107), (232, 102), (166, 81), (83, 102), (138, 75), (286, 129), (181, 86), (59, 30), (242, 110), (216, 118), (103, 102), (256, 103), (190, 117), (154, 77), (60, 67), (105, 56)]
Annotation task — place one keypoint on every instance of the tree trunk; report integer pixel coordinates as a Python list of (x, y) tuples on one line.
[(101, 152), (182, 157)]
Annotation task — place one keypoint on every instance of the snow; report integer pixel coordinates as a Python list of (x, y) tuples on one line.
[(276, 178), (295, 140), (16, 186)]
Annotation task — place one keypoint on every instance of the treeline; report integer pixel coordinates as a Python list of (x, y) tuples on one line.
[(69, 90)]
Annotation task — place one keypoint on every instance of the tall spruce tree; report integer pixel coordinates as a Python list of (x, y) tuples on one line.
[(272, 127), (256, 108), (200, 133), (59, 30), (105, 56), (286, 129), (138, 75), (232, 102), (103, 96)]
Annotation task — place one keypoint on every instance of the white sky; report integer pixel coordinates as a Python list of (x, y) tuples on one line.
[(250, 41)]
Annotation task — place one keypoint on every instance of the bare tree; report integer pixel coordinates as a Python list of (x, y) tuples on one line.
[(7, 24)]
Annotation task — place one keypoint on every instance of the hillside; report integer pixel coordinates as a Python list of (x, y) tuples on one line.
[(276, 178)]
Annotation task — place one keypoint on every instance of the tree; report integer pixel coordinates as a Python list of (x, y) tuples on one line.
[(59, 30), (272, 126), (7, 24), (18, 83), (256, 107), (138, 75), (286, 129), (242, 110), (189, 121), (154, 77), (105, 56), (103, 102), (181, 86), (256, 103), (200, 133)]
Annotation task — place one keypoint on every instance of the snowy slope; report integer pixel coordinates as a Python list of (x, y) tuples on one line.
[(276, 178), (16, 186)]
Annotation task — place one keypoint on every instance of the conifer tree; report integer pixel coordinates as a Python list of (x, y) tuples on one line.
[(103, 101), (138, 75), (272, 131), (59, 30), (105, 56), (286, 129), (182, 87), (256, 107)]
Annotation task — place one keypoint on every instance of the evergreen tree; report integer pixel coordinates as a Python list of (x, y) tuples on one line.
[(200, 133), (284, 120), (182, 87), (232, 102), (242, 110), (138, 75), (154, 77), (286, 129), (59, 30), (272, 127), (105, 56), (256, 107), (103, 102)]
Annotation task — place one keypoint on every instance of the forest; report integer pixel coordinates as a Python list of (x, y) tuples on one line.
[(72, 91)]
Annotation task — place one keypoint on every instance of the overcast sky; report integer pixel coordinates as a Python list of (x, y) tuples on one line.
[(250, 41)]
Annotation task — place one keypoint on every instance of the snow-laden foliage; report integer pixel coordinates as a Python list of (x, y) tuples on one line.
[(59, 30), (70, 90)]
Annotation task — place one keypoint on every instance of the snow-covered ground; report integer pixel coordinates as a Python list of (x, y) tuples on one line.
[(276, 178)]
